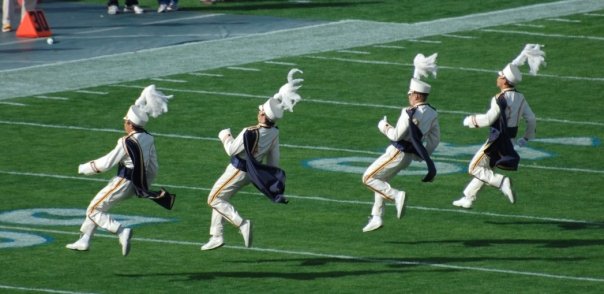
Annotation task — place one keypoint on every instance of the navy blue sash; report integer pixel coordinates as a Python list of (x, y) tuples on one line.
[(270, 180), (138, 177), (416, 147), (501, 150)]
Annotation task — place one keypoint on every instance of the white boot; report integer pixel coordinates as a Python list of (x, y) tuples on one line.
[(246, 231), (506, 188), (124, 235), (464, 202), (213, 243), (374, 223), (81, 244), (399, 201)]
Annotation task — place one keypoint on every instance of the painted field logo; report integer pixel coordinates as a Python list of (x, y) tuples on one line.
[(358, 165), (53, 217)]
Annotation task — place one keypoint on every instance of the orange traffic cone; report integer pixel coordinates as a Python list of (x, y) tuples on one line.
[(34, 25)]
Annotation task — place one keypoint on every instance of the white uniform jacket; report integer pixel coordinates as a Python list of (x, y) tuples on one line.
[(268, 145), (427, 121), (517, 108), (120, 154)]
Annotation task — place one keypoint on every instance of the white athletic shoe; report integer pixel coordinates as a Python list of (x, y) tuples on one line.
[(375, 222), (79, 245), (506, 188), (464, 202), (172, 6), (112, 9), (399, 201), (213, 243), (246, 231), (162, 8), (124, 235), (137, 9)]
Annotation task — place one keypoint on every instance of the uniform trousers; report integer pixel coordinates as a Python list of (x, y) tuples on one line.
[(378, 174), (482, 172), (117, 190), (231, 181)]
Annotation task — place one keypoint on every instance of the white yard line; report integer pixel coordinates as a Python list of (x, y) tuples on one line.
[(280, 63), (43, 290), (169, 80), (12, 103), (91, 92), (389, 46), (563, 20), (203, 74), (354, 52), (51, 97), (341, 35), (336, 256), (239, 68)]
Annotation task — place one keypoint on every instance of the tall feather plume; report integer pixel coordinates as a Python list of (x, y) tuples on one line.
[(534, 55), (287, 95), (153, 101), (424, 66)]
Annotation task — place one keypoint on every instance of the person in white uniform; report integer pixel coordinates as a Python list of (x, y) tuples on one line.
[(248, 150), (417, 124), (137, 159), (506, 109)]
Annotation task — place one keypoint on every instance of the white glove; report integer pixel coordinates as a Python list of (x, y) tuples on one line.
[(383, 124), (467, 121), (522, 142), (85, 169), (224, 134)]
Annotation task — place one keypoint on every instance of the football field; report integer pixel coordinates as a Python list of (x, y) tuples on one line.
[(356, 58)]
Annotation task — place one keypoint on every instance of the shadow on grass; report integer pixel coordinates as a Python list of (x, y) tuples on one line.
[(301, 276), (570, 226), (393, 265)]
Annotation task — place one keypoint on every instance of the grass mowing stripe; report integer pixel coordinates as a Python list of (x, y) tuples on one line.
[(316, 148), (339, 256), (323, 199)]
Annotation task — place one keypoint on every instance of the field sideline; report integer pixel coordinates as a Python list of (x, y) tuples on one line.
[(355, 72)]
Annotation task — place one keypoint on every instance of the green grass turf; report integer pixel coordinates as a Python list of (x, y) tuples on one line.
[(315, 243)]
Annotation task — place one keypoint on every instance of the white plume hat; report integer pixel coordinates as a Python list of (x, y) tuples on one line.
[(532, 54), (512, 74), (137, 116), (423, 67), (151, 102), (418, 86), (285, 99)]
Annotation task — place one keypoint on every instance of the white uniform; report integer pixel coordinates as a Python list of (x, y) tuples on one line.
[(479, 167), (234, 179), (118, 188), (378, 174)]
